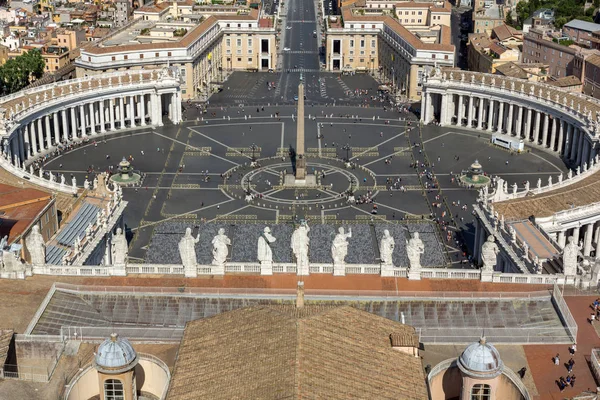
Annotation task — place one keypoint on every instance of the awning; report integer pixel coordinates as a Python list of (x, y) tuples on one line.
[(77, 21)]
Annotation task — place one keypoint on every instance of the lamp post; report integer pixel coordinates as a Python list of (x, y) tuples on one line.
[(249, 190), (347, 148), (253, 148)]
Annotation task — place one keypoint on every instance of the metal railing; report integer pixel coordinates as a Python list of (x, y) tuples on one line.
[(509, 335), (97, 334), (564, 312), (236, 292)]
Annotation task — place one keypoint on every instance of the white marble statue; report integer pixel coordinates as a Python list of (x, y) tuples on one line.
[(560, 178), (36, 246), (187, 250), (119, 248), (549, 181), (31, 171), (578, 170), (299, 245), (525, 251), (62, 179), (489, 254), (86, 184), (386, 248), (539, 183), (527, 186), (513, 234), (74, 183), (265, 253), (339, 246), (514, 188), (40, 173), (570, 174), (414, 250), (95, 183), (569, 259), (220, 250)]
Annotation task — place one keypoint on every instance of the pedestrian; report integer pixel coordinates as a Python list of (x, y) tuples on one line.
[(556, 359), (570, 365), (573, 381), (592, 318), (573, 348), (522, 372)]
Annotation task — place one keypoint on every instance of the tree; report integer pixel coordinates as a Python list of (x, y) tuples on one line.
[(509, 19), (20, 71)]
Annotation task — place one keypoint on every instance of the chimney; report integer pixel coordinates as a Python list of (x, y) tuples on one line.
[(300, 295)]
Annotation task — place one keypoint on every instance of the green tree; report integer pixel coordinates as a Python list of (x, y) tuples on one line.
[(509, 19), (20, 71)]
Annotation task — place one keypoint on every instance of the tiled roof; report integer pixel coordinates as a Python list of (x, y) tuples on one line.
[(512, 70), (19, 207), (497, 48), (565, 81), (287, 353), (504, 32)]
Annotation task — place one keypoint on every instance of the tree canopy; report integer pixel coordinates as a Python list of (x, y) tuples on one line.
[(20, 71), (564, 11)]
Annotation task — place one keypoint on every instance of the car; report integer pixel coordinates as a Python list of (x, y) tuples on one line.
[(295, 97), (286, 49)]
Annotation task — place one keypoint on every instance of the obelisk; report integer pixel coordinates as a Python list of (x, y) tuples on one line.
[(300, 161)]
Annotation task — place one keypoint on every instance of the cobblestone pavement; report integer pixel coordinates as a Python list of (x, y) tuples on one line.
[(184, 168)]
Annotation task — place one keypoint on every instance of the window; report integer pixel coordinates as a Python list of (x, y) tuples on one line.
[(362, 43), (481, 392), (114, 58), (239, 59), (113, 389), (124, 57), (249, 59), (420, 13), (249, 42), (433, 56), (238, 42), (351, 42), (155, 54), (362, 60), (169, 54), (228, 42), (372, 43), (141, 56)]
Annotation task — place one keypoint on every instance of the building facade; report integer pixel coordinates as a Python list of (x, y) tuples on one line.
[(537, 48), (204, 53)]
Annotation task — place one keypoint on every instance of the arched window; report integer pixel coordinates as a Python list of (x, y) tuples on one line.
[(113, 389), (481, 392)]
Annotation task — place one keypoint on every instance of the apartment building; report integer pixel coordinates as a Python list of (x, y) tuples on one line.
[(539, 48), (204, 51), (581, 32), (398, 42)]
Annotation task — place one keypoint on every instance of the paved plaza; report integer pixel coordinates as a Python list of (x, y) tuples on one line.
[(199, 171)]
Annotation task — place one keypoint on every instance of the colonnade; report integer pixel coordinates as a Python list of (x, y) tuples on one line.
[(585, 233), (503, 116), (42, 132)]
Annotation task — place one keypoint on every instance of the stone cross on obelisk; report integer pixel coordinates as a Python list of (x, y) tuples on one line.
[(300, 161)]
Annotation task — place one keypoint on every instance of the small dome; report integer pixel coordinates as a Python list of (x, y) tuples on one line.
[(481, 359), (115, 355)]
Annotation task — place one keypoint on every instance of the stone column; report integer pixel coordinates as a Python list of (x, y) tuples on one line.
[(65, 134), (528, 125), (40, 132), (555, 122), (587, 240), (568, 141), (27, 142), (519, 131), (576, 234), (480, 118), (132, 110), (14, 152), (48, 131), (424, 106), (500, 117), (443, 109), (73, 123), (92, 119), (102, 116), (143, 109), (82, 121), (509, 126), (561, 136), (461, 111), (490, 118), (580, 147), (587, 147), (122, 112), (574, 144), (111, 113), (21, 139), (470, 112), (596, 239), (32, 132), (562, 239), (56, 127), (536, 128)]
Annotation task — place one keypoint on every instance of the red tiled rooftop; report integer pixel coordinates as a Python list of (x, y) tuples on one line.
[(18, 208)]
